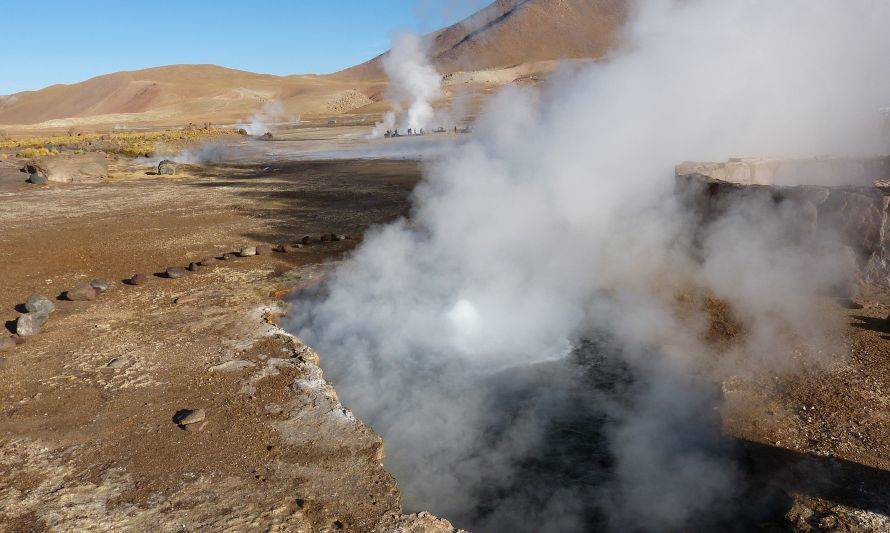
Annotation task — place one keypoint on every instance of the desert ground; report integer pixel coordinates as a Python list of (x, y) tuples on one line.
[(92, 427), (88, 427)]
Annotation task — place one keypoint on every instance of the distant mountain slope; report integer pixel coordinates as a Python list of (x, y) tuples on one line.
[(510, 32), (504, 34), (185, 92)]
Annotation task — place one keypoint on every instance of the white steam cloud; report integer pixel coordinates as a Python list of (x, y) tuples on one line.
[(556, 228), (413, 81), (265, 119)]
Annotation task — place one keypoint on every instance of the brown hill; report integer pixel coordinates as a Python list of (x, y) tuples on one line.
[(507, 33), (512, 32)]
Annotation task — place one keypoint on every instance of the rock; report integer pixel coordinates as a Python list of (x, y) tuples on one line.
[(186, 299), (184, 417), (339, 237), (175, 272), (208, 261), (266, 136), (264, 249), (6, 344), (72, 168), (306, 240), (40, 304), (325, 237), (280, 247), (116, 362), (99, 284), (229, 256), (193, 267), (167, 167), (37, 179), (231, 366), (247, 251), (137, 279), (30, 324), (82, 292), (74, 131)]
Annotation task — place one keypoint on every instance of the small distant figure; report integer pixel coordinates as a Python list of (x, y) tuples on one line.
[(421, 131), (455, 129), (388, 134), (409, 131)]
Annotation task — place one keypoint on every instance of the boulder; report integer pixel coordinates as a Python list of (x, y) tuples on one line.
[(30, 324), (82, 292), (193, 266), (36, 178), (247, 251), (184, 417), (37, 303), (99, 284), (71, 168), (175, 272), (167, 167), (137, 279)]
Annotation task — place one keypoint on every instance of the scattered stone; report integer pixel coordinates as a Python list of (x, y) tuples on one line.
[(229, 256), (90, 167), (167, 167), (193, 267), (175, 272), (137, 279), (6, 344), (99, 284), (231, 366), (263, 249), (37, 179), (116, 362), (186, 299), (338, 237), (184, 417), (37, 303), (82, 292), (247, 251), (208, 261), (30, 324), (266, 136)]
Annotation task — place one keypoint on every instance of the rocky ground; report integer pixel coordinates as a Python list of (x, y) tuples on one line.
[(179, 404)]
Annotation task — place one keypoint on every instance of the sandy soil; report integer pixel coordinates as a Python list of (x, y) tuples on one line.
[(87, 430), (88, 407)]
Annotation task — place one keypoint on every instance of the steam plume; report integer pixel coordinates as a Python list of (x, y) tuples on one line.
[(263, 120), (413, 80), (557, 226)]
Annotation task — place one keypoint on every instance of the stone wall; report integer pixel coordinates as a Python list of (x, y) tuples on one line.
[(845, 197)]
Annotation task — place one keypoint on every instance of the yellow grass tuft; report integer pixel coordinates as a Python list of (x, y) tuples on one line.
[(127, 143)]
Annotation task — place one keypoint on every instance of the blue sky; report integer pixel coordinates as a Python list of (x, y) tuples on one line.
[(56, 41)]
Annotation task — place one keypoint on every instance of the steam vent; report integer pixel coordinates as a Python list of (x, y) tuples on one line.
[(824, 198)]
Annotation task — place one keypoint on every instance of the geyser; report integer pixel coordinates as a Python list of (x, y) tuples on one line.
[(556, 226)]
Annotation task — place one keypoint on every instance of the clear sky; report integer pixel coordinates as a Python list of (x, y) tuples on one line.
[(56, 41)]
